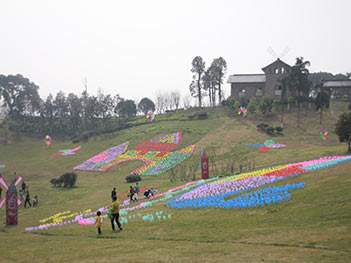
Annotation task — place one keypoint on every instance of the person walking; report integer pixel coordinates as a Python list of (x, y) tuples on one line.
[(113, 193), (98, 222), (23, 186), (115, 214), (27, 201), (131, 193)]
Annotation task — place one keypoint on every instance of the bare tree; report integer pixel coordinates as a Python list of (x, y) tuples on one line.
[(186, 102), (161, 102), (175, 98)]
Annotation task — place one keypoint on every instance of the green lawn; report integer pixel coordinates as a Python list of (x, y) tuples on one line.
[(313, 227)]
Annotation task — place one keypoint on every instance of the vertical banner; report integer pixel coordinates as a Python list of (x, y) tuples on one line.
[(11, 205), (204, 165)]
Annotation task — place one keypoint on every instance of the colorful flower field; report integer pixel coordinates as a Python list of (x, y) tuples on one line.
[(157, 154), (216, 193), (229, 192), (155, 162), (101, 161), (268, 144), (85, 217), (69, 152)]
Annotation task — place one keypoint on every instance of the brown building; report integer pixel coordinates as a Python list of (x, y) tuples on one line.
[(338, 88), (259, 85)]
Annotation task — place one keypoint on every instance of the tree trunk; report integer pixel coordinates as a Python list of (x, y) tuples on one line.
[(298, 109), (219, 93), (321, 116), (199, 90), (210, 95), (282, 117), (349, 147), (213, 96)]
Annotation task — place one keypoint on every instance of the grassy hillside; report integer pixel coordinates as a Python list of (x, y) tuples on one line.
[(313, 227)]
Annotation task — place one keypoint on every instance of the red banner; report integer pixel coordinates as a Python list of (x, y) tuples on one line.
[(11, 205)]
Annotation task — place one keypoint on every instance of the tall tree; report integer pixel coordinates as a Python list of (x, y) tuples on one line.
[(343, 129), (299, 84), (322, 102), (209, 83), (219, 67), (126, 109), (75, 109), (105, 105), (198, 68), (146, 105), (19, 94)]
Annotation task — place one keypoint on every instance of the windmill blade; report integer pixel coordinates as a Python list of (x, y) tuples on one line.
[(285, 52), (272, 52)]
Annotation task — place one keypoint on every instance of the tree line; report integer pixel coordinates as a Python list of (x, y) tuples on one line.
[(64, 115)]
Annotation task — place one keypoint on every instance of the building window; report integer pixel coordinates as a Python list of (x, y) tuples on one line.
[(276, 71), (283, 70), (259, 92), (278, 90), (242, 93)]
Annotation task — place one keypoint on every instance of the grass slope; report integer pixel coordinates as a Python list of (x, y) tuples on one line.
[(313, 227)]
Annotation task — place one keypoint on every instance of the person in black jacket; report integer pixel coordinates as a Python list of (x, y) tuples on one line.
[(113, 194), (27, 201)]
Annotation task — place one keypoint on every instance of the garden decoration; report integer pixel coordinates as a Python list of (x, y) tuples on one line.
[(101, 162), (263, 149), (68, 152), (165, 143), (155, 162), (5, 187), (268, 144), (150, 116), (48, 140), (213, 193), (157, 155), (68, 217), (242, 111), (324, 134), (259, 198)]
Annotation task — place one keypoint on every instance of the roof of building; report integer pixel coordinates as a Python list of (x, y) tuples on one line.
[(276, 61), (247, 78), (337, 84)]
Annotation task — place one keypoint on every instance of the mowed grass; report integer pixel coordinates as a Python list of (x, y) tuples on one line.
[(313, 227)]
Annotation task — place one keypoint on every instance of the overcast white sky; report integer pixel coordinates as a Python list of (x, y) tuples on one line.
[(135, 48)]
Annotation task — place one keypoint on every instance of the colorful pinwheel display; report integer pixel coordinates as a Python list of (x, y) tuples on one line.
[(101, 162), (268, 144), (69, 152), (213, 194)]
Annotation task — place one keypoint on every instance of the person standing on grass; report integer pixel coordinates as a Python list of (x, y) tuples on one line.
[(27, 201), (98, 222), (115, 214), (23, 186), (113, 193), (137, 188)]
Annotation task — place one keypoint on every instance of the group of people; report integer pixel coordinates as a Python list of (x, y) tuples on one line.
[(25, 196), (114, 214), (114, 208), (133, 193)]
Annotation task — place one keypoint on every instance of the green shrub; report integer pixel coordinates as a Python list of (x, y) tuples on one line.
[(133, 178)]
